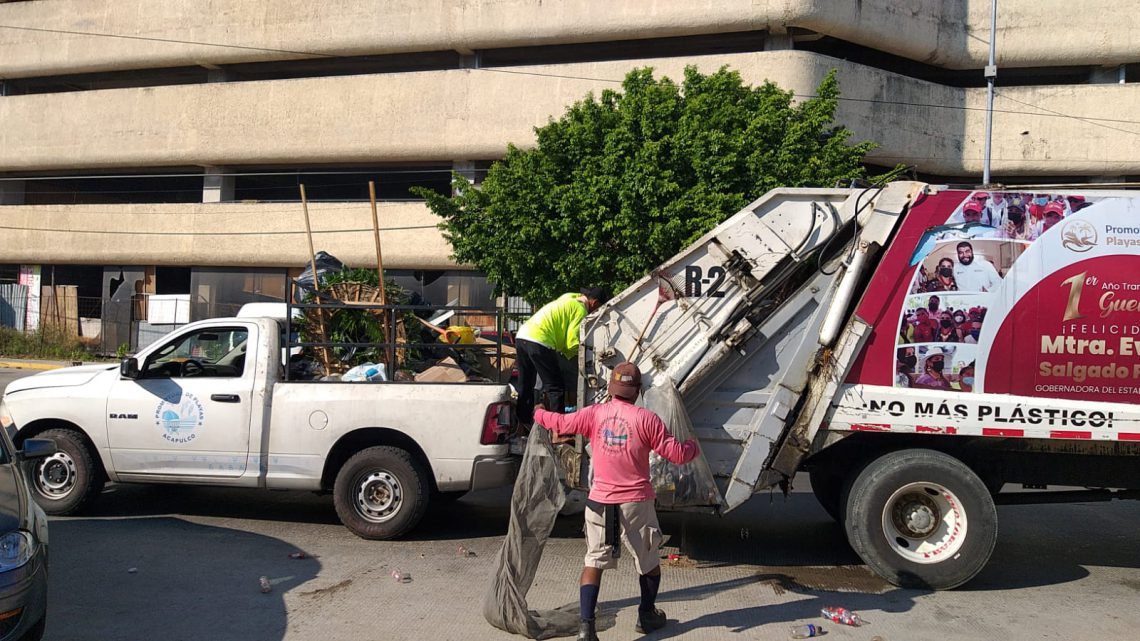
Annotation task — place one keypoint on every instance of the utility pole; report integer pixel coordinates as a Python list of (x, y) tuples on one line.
[(991, 74)]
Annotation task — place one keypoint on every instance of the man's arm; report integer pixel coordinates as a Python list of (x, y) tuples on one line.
[(662, 442), (579, 313), (574, 423)]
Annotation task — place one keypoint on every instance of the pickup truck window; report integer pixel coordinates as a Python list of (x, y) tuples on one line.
[(214, 352)]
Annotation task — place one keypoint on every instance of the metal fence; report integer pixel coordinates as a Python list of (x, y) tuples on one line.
[(103, 325)]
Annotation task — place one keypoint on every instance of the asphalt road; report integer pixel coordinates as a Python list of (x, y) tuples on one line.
[(173, 563)]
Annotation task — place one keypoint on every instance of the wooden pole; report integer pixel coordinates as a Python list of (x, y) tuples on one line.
[(309, 236), (376, 236), (325, 352)]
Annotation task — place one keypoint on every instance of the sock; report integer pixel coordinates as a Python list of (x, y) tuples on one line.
[(649, 586), (588, 601)]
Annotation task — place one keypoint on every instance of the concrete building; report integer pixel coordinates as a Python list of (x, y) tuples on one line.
[(161, 142)]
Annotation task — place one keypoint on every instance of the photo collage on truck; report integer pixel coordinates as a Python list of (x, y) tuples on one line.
[(965, 271)]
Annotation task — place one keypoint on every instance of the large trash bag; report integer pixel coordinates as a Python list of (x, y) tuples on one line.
[(688, 485), (326, 264), (535, 503)]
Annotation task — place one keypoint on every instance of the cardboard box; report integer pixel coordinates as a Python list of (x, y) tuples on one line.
[(445, 371)]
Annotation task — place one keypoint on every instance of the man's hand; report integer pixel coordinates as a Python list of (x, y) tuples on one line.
[(562, 439)]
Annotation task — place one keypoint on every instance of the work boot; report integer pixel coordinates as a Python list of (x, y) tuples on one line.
[(586, 631), (649, 621)]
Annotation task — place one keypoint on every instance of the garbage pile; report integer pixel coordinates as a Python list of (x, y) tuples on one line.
[(422, 347)]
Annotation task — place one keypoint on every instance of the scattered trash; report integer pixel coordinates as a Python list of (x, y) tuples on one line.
[(807, 631), (745, 534), (878, 639), (266, 588), (680, 561), (401, 577), (297, 555), (464, 552), (132, 570), (842, 615)]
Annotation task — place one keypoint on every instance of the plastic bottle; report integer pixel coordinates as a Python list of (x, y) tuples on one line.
[(806, 631), (841, 615), (464, 552), (401, 577), (266, 587)]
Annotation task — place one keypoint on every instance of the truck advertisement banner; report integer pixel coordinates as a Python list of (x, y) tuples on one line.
[(1023, 294)]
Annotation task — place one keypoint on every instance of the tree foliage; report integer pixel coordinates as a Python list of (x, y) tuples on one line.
[(622, 182)]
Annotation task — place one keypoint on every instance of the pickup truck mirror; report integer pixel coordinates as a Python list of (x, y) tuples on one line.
[(129, 368), (38, 448)]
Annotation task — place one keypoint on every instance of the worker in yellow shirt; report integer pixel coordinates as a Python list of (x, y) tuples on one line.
[(552, 331)]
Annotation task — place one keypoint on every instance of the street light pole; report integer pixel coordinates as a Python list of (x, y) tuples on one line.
[(991, 74)]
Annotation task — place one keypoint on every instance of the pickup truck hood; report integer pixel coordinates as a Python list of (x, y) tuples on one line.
[(65, 377)]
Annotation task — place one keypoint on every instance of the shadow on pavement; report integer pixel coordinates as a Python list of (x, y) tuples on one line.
[(190, 581)]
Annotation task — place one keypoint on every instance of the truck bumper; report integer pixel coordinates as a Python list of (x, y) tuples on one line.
[(494, 471)]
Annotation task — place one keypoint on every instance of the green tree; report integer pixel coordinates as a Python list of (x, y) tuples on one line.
[(622, 182)]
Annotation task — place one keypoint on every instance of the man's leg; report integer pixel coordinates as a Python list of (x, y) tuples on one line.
[(548, 364), (599, 556), (527, 373), (642, 535)]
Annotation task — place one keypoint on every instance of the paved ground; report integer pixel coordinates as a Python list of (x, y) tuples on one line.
[(1059, 572)]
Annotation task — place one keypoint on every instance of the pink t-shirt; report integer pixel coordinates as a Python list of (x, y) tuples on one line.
[(622, 435)]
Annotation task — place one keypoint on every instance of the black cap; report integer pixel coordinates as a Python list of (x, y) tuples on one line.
[(596, 293)]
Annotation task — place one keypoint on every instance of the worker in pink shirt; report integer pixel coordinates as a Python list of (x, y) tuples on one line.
[(621, 498)]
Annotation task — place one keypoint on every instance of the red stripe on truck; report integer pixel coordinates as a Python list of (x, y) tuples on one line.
[(926, 429), (1128, 436), (870, 427), (1001, 431), (1069, 434)]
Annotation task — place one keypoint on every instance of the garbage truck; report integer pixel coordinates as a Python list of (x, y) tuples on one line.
[(913, 348)]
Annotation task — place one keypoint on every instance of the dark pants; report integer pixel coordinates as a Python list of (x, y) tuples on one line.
[(535, 360)]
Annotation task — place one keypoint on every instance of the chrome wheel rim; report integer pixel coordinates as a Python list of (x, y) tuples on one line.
[(55, 476), (378, 496)]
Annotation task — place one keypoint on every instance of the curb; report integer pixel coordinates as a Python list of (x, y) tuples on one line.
[(26, 365)]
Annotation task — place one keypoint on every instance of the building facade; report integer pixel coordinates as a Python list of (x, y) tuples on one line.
[(152, 150)]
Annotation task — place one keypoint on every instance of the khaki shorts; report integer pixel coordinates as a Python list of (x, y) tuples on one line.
[(639, 531)]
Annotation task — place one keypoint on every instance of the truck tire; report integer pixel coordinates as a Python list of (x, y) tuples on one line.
[(828, 490), (67, 481), (381, 493), (921, 519)]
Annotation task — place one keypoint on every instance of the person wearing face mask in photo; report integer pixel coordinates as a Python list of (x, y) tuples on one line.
[(966, 378), (947, 330), (932, 377), (1017, 226), (905, 362), (1036, 208), (943, 280)]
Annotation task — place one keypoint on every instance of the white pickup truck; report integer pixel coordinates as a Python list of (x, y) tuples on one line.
[(208, 405)]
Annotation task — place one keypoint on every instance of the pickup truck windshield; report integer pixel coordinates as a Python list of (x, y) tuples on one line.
[(210, 352)]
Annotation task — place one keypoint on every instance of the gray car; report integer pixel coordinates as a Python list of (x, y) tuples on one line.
[(23, 545)]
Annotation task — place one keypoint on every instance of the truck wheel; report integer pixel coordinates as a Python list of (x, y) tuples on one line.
[(921, 519), (828, 490), (68, 480), (381, 493)]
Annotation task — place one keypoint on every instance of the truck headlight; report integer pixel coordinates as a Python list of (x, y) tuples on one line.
[(15, 550)]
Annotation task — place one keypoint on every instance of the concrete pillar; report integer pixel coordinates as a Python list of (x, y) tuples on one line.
[(11, 192), (1107, 75), (217, 187), (778, 42)]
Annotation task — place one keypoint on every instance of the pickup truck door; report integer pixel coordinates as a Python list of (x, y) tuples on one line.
[(188, 412)]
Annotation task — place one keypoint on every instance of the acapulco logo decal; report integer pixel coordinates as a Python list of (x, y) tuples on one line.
[(179, 416), (1079, 236)]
